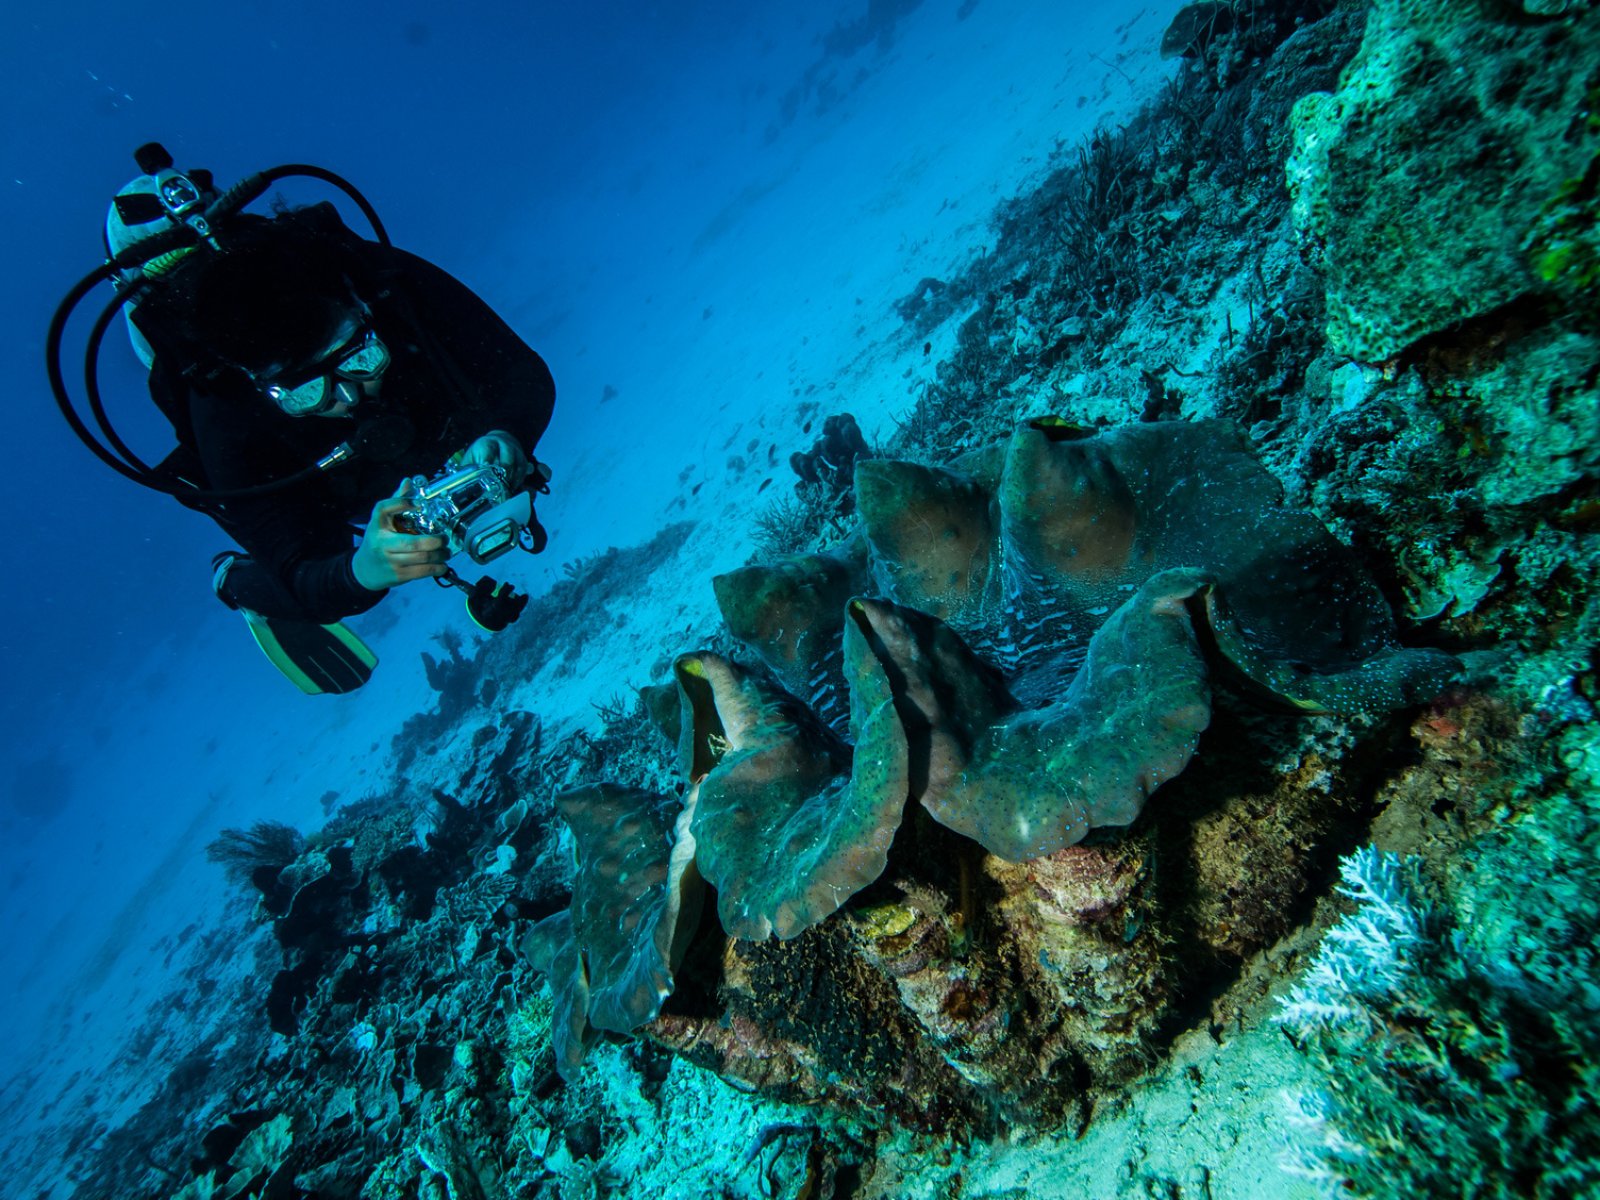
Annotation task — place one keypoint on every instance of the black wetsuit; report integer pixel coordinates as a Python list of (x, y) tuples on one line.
[(457, 371)]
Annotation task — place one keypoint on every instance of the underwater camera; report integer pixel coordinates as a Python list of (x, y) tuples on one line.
[(474, 510)]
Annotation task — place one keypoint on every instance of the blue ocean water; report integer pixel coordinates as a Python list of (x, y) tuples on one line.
[(686, 209)]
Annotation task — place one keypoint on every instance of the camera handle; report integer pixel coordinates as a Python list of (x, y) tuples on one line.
[(492, 606)]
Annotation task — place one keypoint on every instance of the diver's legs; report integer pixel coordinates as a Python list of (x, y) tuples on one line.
[(316, 658), (242, 583)]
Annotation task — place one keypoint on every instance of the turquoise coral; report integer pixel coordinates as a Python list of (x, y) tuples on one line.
[(1418, 184), (1453, 1071)]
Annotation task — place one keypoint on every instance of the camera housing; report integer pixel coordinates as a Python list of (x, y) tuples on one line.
[(472, 509)]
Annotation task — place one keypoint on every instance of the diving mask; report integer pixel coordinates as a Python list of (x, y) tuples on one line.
[(361, 360)]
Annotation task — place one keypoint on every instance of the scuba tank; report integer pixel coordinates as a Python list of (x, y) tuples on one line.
[(145, 207)]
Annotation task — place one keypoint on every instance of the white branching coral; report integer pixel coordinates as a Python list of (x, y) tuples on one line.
[(1359, 972), (1364, 958)]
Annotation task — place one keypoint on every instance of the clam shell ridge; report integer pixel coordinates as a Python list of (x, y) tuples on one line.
[(1025, 641)]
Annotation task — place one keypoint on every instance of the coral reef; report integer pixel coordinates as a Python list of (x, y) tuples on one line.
[(1101, 280), (824, 495), (1452, 1015), (830, 463), (1460, 1051), (254, 1168), (267, 848)]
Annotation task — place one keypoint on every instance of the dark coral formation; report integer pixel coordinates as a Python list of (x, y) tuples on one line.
[(824, 495), (267, 847), (831, 461)]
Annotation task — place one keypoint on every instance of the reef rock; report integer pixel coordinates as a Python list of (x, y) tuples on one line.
[(1418, 184)]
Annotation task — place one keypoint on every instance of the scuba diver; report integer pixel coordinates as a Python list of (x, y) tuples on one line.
[(351, 415)]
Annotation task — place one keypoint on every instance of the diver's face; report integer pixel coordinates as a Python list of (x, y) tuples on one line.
[(348, 368)]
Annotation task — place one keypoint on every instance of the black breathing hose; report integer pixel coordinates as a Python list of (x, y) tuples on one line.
[(255, 185), (91, 377), (58, 384), (91, 383)]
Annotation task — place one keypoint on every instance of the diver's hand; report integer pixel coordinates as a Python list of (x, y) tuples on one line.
[(387, 557), (497, 448)]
